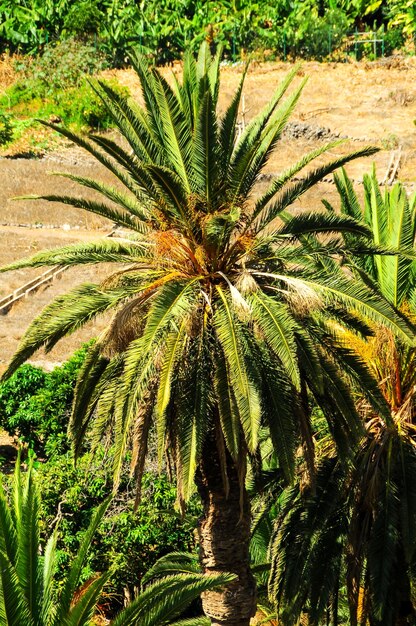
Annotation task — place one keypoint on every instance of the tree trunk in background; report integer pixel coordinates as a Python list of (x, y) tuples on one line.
[(224, 535)]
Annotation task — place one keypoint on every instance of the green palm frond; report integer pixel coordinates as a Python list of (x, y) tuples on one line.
[(382, 550), (206, 154), (14, 610), (228, 124), (133, 127), (368, 303), (256, 126), (227, 405), (116, 215), (172, 563), (319, 223), (278, 328), (247, 164), (245, 392), (63, 316), (102, 251), (287, 197), (195, 399), (72, 582), (132, 204), (192, 621), (281, 411), (167, 598), (111, 156), (88, 378), (82, 612), (289, 174), (48, 612)]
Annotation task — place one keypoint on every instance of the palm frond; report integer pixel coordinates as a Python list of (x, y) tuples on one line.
[(72, 581), (273, 210), (276, 324), (167, 598), (172, 563), (102, 251), (286, 176), (132, 204), (245, 392), (63, 316)]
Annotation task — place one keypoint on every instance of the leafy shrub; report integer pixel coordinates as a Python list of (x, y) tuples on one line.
[(310, 36), (83, 106), (83, 18), (56, 85), (61, 66), (6, 129), (393, 40), (126, 541), (35, 405), (17, 391)]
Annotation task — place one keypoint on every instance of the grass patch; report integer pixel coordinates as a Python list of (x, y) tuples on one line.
[(54, 87)]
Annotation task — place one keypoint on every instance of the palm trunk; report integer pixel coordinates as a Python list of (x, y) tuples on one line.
[(224, 535)]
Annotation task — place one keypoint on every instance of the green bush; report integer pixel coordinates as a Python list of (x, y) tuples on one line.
[(16, 392), (56, 84), (6, 129), (61, 66), (129, 542), (35, 405), (83, 19), (83, 106), (310, 36)]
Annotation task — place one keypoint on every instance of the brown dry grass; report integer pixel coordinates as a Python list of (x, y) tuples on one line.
[(7, 71), (371, 102)]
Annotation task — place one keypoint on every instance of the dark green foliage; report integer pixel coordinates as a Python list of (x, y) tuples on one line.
[(127, 542), (315, 37), (35, 405), (83, 18), (6, 129), (29, 593), (360, 522)]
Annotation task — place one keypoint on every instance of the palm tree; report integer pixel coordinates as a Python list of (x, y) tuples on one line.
[(224, 309), (28, 590), (361, 520), (359, 523), (392, 219)]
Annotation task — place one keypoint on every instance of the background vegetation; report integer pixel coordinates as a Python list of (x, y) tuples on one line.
[(308, 28), (57, 45)]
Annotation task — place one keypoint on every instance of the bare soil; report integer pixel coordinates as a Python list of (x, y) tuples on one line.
[(365, 103)]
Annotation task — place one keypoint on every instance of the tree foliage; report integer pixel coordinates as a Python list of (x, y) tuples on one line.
[(165, 28)]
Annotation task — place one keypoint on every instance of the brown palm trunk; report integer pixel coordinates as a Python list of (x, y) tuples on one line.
[(224, 535)]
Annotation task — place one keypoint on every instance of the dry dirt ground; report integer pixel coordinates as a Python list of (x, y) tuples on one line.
[(365, 103)]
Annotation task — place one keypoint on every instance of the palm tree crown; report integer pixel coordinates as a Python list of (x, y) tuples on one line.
[(214, 296)]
